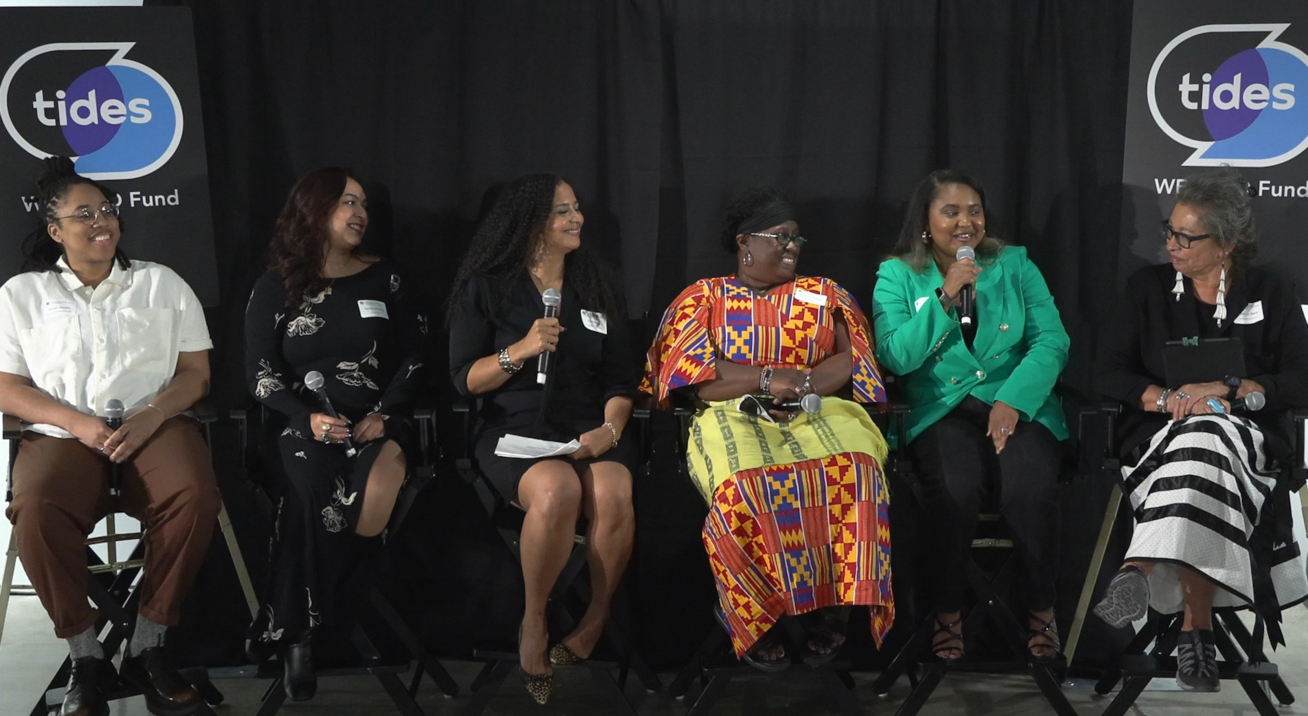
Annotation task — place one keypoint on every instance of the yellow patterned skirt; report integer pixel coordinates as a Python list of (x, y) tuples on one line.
[(798, 514)]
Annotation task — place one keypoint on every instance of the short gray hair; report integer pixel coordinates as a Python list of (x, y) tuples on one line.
[(1223, 197)]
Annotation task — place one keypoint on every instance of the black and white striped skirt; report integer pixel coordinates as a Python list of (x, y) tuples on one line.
[(1198, 491)]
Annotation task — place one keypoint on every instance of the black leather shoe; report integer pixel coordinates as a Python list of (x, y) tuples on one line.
[(166, 692), (300, 682), (90, 678)]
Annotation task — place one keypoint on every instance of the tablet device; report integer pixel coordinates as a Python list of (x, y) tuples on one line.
[(1203, 361)]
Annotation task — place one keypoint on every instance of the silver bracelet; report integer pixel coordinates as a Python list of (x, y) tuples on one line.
[(152, 405), (506, 363), (1161, 402), (615, 434)]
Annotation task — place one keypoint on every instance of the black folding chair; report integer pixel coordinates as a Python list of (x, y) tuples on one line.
[(1243, 659), (113, 585), (570, 590), (379, 625)]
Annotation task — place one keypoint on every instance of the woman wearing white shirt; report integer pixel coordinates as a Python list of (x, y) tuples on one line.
[(81, 326)]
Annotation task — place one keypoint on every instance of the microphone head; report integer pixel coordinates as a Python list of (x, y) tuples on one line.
[(811, 403), (314, 380), (551, 297), (1254, 401), (113, 408), (965, 252)]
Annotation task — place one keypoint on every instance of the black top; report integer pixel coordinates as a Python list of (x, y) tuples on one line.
[(360, 333), (588, 368), (1275, 345)]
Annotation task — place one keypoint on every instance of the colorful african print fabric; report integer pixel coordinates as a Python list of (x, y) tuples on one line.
[(798, 512)]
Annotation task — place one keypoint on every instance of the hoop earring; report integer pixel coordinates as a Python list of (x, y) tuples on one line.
[(749, 258)]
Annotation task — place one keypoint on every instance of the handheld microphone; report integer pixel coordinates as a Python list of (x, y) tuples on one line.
[(966, 310), (315, 382), (113, 418), (1250, 403), (810, 403), (551, 298)]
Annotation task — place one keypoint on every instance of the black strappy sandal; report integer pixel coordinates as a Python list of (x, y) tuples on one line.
[(765, 644), (953, 634), (1048, 631), (826, 628)]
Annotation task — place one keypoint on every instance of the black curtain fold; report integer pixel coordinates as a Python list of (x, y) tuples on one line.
[(658, 111)]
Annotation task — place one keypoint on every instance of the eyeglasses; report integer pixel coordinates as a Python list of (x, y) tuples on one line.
[(1182, 240), (784, 239), (88, 217)]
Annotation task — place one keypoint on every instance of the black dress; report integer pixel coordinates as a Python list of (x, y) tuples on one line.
[(589, 367), (368, 342)]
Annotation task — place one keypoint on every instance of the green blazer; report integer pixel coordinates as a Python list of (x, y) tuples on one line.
[(1019, 350)]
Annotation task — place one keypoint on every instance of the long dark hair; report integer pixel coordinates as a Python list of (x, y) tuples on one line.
[(300, 237), (40, 251), (508, 237), (911, 247)]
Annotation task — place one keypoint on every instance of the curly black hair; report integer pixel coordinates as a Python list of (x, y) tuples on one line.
[(506, 240), (742, 206), (40, 251)]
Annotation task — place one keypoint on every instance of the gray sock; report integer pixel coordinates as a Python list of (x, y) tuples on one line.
[(148, 634), (84, 645)]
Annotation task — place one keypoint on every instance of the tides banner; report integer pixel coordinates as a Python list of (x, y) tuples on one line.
[(115, 88), (1214, 83)]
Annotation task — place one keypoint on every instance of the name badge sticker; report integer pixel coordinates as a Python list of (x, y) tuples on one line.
[(816, 299), (373, 309), (597, 322), (917, 305), (55, 309), (1253, 313)]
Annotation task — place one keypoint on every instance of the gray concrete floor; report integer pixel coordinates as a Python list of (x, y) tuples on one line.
[(29, 654)]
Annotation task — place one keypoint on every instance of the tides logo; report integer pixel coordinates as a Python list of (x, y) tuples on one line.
[(1233, 93), (116, 117)]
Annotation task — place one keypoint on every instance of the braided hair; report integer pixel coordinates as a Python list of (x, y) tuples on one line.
[(507, 239), (40, 251)]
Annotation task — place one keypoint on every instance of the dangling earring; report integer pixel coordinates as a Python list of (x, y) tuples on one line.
[(749, 258), (1179, 288), (1220, 313), (926, 238)]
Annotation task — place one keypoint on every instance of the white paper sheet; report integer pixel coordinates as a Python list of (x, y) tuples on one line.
[(518, 446)]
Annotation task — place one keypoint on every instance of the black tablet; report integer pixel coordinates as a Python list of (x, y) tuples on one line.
[(1202, 361)]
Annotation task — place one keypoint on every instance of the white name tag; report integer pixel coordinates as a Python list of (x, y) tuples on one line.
[(54, 309), (917, 305), (816, 299), (597, 322), (373, 309), (1253, 313)]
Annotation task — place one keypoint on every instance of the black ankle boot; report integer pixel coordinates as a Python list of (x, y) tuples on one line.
[(301, 683)]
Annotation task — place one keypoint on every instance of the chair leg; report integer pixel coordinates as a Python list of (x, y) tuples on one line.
[(1092, 573), (426, 663), (273, 698), (7, 585), (238, 560), (1131, 691), (487, 683), (713, 688), (617, 700), (903, 661), (918, 697), (713, 643), (840, 687), (1241, 635), (400, 695)]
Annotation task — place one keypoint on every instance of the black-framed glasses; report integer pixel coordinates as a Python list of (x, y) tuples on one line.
[(783, 239), (88, 217), (1182, 239)]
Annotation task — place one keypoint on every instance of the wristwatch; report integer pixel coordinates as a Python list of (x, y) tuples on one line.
[(1232, 384)]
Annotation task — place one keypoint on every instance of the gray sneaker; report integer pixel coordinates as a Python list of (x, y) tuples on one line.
[(1196, 661), (1126, 599)]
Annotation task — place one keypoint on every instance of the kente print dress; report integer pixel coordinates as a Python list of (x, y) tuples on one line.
[(368, 342), (798, 513)]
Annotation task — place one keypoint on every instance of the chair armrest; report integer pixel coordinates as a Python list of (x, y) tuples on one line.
[(13, 427), (204, 411)]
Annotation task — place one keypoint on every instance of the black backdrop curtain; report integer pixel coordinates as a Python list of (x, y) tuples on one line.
[(656, 111)]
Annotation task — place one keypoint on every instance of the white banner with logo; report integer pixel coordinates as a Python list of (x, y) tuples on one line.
[(117, 89), (1216, 83)]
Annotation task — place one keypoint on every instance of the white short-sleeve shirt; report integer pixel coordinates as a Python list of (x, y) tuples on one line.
[(85, 346)]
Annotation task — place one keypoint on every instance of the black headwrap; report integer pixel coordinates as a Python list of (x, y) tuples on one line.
[(777, 211)]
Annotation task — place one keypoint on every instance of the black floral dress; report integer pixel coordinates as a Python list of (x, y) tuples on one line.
[(369, 344)]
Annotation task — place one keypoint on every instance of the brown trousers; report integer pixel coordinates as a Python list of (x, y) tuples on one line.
[(61, 490)]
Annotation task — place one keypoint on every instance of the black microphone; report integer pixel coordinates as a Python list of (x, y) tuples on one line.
[(551, 298), (752, 405), (113, 418), (314, 381), (966, 310), (1250, 403)]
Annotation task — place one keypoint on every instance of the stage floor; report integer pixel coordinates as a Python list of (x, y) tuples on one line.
[(29, 654)]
